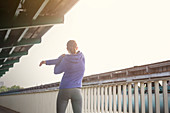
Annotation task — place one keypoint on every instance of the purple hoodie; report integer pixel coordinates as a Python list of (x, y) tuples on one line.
[(73, 66)]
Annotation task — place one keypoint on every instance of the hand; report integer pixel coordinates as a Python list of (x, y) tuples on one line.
[(42, 62)]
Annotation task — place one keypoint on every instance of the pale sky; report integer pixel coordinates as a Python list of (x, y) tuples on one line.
[(112, 34)]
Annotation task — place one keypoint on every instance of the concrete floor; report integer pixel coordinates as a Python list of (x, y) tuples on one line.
[(5, 110)]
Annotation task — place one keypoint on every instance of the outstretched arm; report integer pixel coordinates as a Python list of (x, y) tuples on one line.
[(52, 62)]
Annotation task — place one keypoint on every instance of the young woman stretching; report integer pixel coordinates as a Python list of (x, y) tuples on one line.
[(73, 66)]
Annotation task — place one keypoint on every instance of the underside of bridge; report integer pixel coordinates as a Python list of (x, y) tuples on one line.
[(23, 23)]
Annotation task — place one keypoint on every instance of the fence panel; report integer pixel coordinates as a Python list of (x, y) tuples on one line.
[(104, 98)]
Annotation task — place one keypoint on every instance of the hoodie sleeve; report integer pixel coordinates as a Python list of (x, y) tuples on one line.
[(54, 61), (60, 68)]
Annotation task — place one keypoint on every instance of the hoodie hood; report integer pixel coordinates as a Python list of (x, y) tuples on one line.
[(74, 58)]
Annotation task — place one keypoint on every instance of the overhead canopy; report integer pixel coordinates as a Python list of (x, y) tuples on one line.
[(23, 23)]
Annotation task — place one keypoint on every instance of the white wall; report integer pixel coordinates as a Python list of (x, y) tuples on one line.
[(31, 103)]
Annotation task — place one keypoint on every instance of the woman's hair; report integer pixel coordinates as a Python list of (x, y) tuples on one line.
[(72, 46)]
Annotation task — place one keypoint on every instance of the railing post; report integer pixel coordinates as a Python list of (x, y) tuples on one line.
[(91, 101), (106, 99), (114, 99), (110, 99), (85, 100), (142, 95), (136, 98), (56, 99), (95, 100), (98, 99), (165, 96), (82, 99), (130, 97), (124, 99), (150, 97), (102, 100), (88, 100), (119, 99), (157, 97)]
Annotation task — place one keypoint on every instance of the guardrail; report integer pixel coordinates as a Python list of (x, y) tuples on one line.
[(141, 89), (128, 97)]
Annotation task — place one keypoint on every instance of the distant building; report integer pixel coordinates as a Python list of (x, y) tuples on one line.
[(1, 84)]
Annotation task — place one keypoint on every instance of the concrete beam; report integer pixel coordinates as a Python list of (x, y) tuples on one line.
[(18, 54), (6, 67), (7, 34), (10, 62), (23, 42), (40, 21), (40, 9)]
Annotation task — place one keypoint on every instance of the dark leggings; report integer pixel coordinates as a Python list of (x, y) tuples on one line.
[(76, 99)]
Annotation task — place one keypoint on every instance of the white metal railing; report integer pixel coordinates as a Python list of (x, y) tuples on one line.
[(126, 97), (122, 97)]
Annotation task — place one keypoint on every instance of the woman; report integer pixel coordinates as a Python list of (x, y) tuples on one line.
[(73, 66)]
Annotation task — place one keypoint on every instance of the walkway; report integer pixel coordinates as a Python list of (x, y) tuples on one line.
[(5, 110)]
